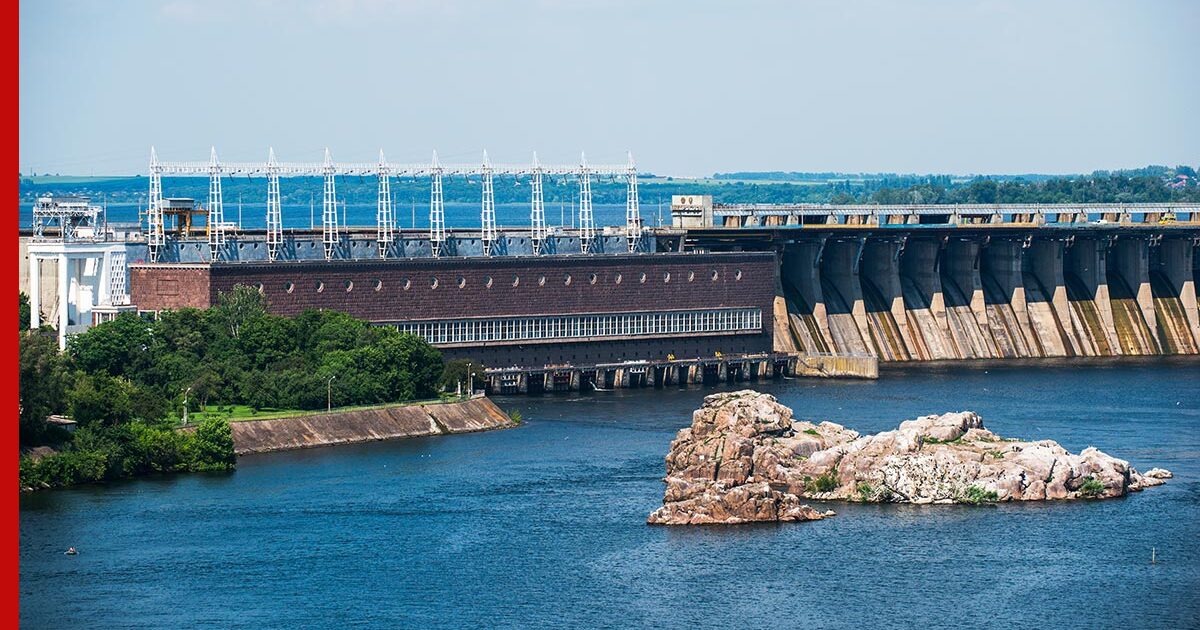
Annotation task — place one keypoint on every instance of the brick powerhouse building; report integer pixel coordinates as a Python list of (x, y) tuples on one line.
[(514, 311)]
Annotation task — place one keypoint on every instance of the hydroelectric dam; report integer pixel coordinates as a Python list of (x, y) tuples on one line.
[(942, 282), (727, 292)]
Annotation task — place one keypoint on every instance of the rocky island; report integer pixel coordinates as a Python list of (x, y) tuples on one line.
[(745, 459)]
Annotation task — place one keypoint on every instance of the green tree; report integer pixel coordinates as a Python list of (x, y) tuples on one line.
[(121, 347), (414, 367), (322, 332), (239, 306), (982, 191), (102, 400), (23, 311), (212, 446), (267, 340), (43, 380), (361, 376), (204, 384), (456, 372), (184, 332)]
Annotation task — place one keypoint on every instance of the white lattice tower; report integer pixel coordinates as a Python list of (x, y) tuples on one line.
[(537, 213), (488, 212), (384, 234), (274, 208), (437, 210), (329, 220), (633, 213), (154, 209), (587, 224), (216, 208)]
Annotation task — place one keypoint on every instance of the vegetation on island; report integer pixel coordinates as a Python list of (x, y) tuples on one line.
[(974, 495), (1091, 488), (127, 382), (825, 482)]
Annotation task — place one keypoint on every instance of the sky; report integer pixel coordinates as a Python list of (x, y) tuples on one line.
[(690, 87)]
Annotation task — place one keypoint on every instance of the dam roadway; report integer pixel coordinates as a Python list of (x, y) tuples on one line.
[(922, 283)]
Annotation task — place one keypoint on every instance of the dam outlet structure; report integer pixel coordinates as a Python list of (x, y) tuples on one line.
[(930, 283)]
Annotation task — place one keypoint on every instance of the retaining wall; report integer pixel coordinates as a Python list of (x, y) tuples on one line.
[(366, 425)]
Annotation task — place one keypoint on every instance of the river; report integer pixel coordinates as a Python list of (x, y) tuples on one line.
[(544, 525)]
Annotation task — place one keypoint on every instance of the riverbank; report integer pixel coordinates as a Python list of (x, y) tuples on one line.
[(366, 425)]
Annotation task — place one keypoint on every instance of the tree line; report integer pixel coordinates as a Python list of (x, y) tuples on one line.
[(125, 382), (1149, 184)]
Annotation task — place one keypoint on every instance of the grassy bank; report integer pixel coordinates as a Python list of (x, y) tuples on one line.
[(242, 413)]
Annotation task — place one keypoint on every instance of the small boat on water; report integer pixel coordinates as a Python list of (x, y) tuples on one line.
[(71, 552)]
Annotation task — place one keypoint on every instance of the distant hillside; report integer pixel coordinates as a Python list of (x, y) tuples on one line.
[(1150, 184)]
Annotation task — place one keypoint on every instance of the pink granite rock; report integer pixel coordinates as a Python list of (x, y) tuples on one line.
[(744, 459)]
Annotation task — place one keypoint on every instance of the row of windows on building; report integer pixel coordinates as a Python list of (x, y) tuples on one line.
[(569, 327), (488, 282)]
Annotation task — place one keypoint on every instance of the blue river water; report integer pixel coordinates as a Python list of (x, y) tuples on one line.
[(544, 525)]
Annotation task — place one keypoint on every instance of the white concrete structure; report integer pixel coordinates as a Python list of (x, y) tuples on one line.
[(91, 286)]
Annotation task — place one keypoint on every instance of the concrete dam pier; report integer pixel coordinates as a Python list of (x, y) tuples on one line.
[(959, 282), (914, 297)]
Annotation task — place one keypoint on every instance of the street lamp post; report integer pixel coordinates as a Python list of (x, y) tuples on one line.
[(329, 394), (470, 381), (185, 404)]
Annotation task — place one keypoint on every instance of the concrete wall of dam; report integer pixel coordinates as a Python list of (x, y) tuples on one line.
[(917, 297)]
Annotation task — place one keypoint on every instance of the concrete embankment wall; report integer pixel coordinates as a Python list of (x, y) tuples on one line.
[(831, 366), (924, 298), (365, 425)]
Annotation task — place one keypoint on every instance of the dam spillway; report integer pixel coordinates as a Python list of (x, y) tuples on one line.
[(919, 297), (906, 285)]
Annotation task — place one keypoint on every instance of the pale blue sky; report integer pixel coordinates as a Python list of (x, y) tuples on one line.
[(965, 86)]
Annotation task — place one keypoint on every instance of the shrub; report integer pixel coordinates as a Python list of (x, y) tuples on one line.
[(30, 473), (812, 432), (1091, 488), (101, 399), (515, 416), (64, 469), (212, 446), (974, 495), (865, 491), (99, 453), (827, 482)]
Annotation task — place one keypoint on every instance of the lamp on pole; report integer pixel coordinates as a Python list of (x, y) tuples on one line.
[(329, 393), (470, 381), (185, 404)]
